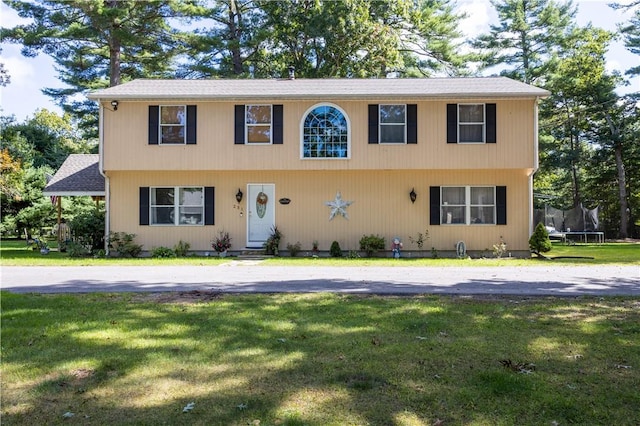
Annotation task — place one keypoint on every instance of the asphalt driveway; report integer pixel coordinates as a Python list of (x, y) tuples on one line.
[(250, 277)]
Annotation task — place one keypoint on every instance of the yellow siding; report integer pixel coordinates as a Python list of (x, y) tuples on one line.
[(126, 147), (381, 205)]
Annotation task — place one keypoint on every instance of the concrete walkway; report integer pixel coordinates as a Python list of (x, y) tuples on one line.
[(248, 277)]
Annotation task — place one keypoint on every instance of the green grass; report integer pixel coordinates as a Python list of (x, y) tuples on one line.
[(15, 253), (320, 359)]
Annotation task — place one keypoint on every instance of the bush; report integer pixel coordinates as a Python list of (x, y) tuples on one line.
[(181, 249), (271, 246), (294, 249), (335, 250), (77, 250), (87, 229), (122, 243), (539, 241), (163, 252), (500, 249), (420, 239), (371, 244)]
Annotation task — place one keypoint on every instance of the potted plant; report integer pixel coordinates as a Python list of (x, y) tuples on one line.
[(222, 243)]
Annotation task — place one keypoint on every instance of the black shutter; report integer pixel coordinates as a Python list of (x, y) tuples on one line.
[(452, 123), (490, 110), (209, 205), (373, 124), (501, 205), (412, 123), (239, 125), (144, 205), (154, 117), (277, 124), (434, 205), (192, 119)]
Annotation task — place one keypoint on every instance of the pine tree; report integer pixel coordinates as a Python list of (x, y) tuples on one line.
[(527, 38), (97, 44), (539, 241)]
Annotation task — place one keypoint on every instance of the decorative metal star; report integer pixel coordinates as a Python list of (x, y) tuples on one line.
[(338, 206)]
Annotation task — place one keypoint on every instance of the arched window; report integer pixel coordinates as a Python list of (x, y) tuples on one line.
[(325, 133)]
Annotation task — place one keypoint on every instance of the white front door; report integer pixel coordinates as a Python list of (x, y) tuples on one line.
[(261, 213)]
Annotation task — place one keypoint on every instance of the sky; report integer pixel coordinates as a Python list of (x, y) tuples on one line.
[(23, 96)]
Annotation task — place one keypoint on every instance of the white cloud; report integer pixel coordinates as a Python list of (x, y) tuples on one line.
[(479, 15), (20, 68), (9, 17)]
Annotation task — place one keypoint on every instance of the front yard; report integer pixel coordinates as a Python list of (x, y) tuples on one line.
[(321, 359)]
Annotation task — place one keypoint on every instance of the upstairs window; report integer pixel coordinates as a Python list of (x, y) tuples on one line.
[(258, 123), (393, 124), (471, 123), (172, 124), (325, 133)]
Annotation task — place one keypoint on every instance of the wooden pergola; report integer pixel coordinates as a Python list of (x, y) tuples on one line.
[(78, 176)]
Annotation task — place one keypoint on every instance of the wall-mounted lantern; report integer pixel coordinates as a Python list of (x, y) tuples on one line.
[(413, 195), (239, 195)]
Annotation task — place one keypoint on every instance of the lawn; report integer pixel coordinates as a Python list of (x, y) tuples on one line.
[(15, 253), (318, 359)]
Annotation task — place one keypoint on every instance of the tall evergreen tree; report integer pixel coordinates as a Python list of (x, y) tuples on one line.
[(592, 121), (527, 38), (97, 43), (631, 34), (231, 45)]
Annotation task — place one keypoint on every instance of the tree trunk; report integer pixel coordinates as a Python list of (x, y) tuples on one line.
[(622, 192), (235, 31), (622, 177), (114, 49)]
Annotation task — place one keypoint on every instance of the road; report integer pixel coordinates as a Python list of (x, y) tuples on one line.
[(250, 277)]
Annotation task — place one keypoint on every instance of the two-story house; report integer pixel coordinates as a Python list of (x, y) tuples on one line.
[(324, 160)]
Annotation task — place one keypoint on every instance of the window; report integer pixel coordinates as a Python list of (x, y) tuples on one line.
[(325, 133), (258, 123), (187, 208), (172, 124), (471, 123), (393, 124), (482, 205), (470, 205)]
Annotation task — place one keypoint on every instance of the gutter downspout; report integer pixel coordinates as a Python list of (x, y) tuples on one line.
[(107, 192), (535, 162)]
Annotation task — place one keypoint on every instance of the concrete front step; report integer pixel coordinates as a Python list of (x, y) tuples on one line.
[(252, 255)]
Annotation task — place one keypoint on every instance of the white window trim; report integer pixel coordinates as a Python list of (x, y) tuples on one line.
[(304, 117), (176, 206), (380, 124), (467, 205), (247, 125), (160, 125), (474, 123)]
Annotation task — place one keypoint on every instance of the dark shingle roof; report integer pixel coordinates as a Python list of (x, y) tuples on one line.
[(78, 175), (425, 88)]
